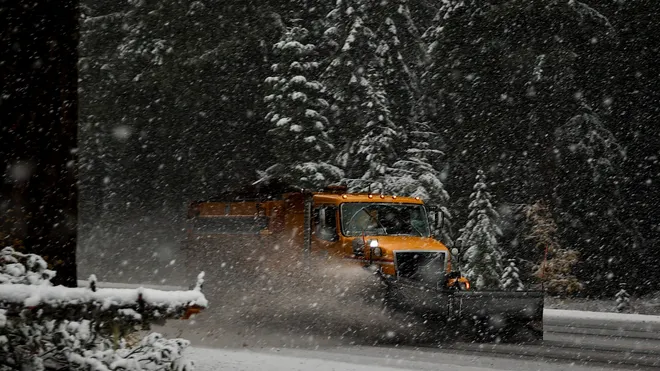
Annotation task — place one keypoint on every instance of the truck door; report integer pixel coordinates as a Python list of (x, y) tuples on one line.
[(325, 239)]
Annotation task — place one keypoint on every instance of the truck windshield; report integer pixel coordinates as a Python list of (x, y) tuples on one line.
[(381, 219)]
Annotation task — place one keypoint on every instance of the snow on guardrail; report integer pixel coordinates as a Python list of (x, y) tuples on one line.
[(118, 285), (33, 295), (621, 322)]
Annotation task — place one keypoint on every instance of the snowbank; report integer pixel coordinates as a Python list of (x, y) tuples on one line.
[(602, 320), (33, 295), (599, 316), (122, 285)]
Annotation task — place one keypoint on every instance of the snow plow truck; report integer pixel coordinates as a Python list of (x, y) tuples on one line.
[(388, 235)]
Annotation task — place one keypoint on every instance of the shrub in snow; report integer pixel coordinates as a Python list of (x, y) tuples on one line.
[(555, 270), (556, 273), (511, 277), (29, 269), (623, 299), (45, 327)]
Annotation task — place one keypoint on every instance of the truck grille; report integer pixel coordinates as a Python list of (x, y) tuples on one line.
[(427, 267)]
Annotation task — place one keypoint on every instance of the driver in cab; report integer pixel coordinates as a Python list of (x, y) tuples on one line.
[(366, 220)]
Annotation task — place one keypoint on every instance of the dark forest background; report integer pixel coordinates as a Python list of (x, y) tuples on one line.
[(556, 101)]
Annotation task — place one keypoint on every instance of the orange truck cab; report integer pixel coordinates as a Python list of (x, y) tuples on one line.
[(389, 233)]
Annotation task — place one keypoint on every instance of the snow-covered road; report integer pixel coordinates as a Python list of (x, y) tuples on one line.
[(363, 359), (244, 335)]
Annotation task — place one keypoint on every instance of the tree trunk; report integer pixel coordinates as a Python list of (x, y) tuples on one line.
[(38, 131)]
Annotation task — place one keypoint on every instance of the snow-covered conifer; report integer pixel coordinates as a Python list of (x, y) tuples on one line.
[(482, 258), (360, 106), (622, 299), (401, 56), (511, 277), (415, 175), (296, 115)]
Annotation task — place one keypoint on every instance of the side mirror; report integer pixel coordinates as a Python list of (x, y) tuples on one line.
[(456, 260), (439, 219), (438, 216)]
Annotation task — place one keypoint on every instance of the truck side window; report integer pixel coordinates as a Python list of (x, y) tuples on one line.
[(325, 223)]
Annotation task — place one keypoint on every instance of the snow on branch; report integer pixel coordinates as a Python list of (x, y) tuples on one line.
[(168, 303), (585, 11)]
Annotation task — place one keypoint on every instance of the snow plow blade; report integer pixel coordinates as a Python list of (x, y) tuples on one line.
[(520, 306), (505, 315)]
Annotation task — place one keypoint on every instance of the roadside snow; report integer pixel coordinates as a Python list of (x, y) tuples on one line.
[(207, 359), (32, 295), (649, 304), (361, 359), (599, 316), (622, 323), (115, 285)]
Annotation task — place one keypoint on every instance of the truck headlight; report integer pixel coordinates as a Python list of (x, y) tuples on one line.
[(373, 243), (377, 251)]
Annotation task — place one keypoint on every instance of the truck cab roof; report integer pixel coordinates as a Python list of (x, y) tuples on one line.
[(334, 198)]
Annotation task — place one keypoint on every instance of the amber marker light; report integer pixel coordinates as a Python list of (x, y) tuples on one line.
[(371, 196), (382, 196), (344, 196)]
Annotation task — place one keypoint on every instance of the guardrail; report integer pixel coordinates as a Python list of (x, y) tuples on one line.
[(116, 285), (634, 333), (611, 339), (621, 323)]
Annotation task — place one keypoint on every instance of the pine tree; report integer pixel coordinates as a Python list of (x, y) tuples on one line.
[(511, 277), (415, 176), (401, 56), (478, 240), (589, 203), (297, 115), (360, 105), (631, 110), (502, 112), (622, 299)]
